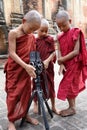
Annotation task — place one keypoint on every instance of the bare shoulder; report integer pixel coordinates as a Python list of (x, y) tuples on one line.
[(13, 33)]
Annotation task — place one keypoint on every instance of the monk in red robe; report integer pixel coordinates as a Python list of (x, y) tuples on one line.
[(72, 58), (45, 46), (18, 70)]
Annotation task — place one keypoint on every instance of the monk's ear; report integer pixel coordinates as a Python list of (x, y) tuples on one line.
[(23, 20), (70, 21)]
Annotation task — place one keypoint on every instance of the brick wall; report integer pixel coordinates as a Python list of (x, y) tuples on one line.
[(78, 12), (29, 5), (3, 47), (7, 10), (40, 6), (11, 6)]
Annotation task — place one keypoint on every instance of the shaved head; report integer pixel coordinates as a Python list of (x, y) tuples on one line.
[(44, 22), (33, 17), (63, 14), (63, 20)]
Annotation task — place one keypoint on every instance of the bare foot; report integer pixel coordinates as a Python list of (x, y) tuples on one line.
[(11, 126), (56, 111), (32, 120), (68, 112), (35, 110)]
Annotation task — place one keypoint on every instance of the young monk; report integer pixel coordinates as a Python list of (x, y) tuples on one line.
[(72, 58), (45, 46), (18, 70)]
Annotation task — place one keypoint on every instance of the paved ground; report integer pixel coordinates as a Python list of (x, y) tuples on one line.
[(76, 122)]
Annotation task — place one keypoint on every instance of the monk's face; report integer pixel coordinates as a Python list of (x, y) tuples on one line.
[(30, 27), (63, 24), (43, 31)]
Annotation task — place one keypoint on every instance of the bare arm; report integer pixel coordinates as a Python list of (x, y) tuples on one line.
[(51, 57), (12, 52), (62, 67), (12, 49), (71, 54), (46, 62), (59, 52)]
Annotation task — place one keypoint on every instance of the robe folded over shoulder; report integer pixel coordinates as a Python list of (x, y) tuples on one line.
[(46, 47), (18, 82), (76, 68)]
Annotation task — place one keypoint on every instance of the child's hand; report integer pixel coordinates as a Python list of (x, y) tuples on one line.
[(46, 63), (61, 69), (30, 70)]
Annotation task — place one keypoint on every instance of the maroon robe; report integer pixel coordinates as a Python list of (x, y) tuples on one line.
[(46, 46), (18, 83), (76, 68)]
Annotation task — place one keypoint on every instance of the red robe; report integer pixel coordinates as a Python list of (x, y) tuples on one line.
[(18, 83), (46, 46), (76, 68)]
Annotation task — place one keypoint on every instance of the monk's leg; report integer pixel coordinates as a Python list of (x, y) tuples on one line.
[(69, 111), (31, 120), (35, 109), (54, 109), (11, 126)]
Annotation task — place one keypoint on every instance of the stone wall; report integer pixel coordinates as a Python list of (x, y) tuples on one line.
[(8, 21), (3, 45), (41, 6), (12, 6), (78, 12), (29, 5)]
